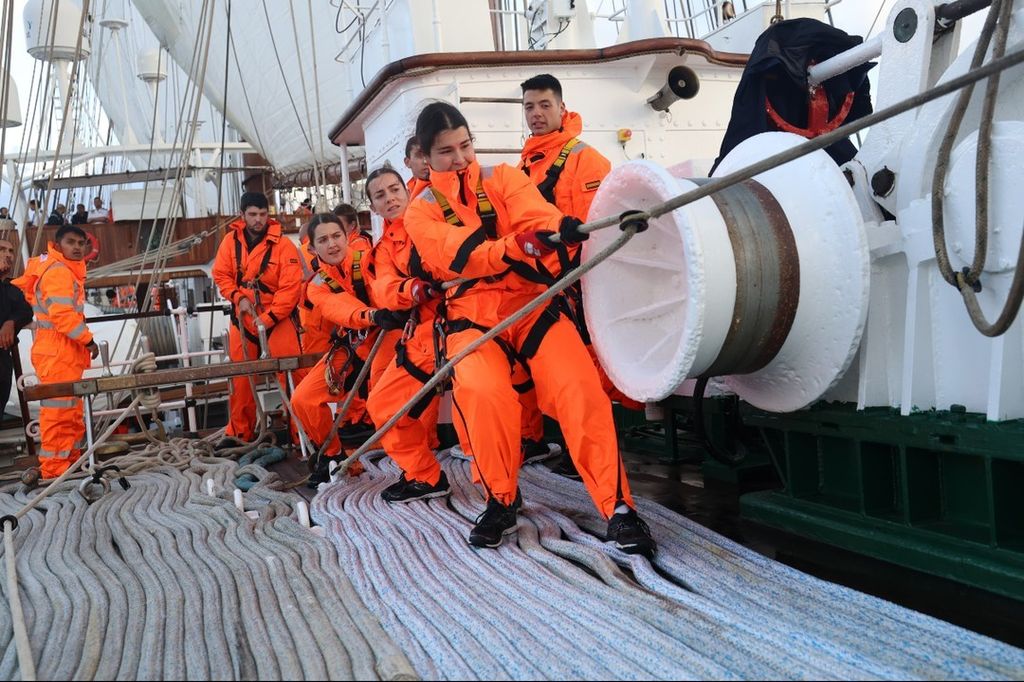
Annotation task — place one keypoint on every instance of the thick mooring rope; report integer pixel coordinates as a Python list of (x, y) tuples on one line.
[(558, 602), (163, 581)]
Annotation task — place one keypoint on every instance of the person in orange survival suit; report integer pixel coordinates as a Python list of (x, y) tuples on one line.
[(54, 283), (400, 282), (260, 271), (318, 332), (416, 162), (567, 171), (332, 291), (490, 225)]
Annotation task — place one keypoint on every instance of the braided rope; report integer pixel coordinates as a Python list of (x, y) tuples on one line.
[(164, 581), (555, 601)]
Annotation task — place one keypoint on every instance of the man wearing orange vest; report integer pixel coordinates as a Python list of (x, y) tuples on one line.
[(567, 171), (260, 271), (54, 283)]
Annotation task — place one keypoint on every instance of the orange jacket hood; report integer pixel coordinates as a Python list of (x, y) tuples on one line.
[(36, 266), (572, 126)]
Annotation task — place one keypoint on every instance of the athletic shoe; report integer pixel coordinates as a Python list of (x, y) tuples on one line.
[(535, 451), (354, 435), (567, 468), (407, 491), (494, 523), (630, 534)]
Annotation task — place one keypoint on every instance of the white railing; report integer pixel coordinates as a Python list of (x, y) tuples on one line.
[(523, 25)]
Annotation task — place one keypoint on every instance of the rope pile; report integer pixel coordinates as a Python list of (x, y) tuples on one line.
[(557, 602), (165, 581)]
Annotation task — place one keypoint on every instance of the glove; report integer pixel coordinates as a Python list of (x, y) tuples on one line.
[(390, 319), (569, 231), (537, 243), (422, 292)]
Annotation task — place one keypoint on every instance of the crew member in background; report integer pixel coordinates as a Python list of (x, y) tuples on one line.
[(333, 292), (492, 226), (98, 214), (33, 214), (418, 165), (260, 272), (567, 171), (54, 283), (317, 330), (400, 282), (80, 216), (15, 313), (58, 216)]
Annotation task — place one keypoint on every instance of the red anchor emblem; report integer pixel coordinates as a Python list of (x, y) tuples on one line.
[(818, 122)]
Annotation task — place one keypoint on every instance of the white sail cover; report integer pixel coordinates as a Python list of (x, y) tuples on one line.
[(295, 67), (267, 101)]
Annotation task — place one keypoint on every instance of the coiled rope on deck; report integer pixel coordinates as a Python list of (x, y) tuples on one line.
[(165, 581), (556, 602)]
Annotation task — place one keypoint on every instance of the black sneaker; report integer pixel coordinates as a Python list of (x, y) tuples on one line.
[(407, 491), (535, 451), (567, 468), (354, 435), (630, 534), (494, 523), (319, 471)]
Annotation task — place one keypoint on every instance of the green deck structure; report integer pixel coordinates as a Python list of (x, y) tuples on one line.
[(939, 492)]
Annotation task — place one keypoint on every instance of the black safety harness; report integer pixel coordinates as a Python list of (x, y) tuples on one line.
[(443, 326)]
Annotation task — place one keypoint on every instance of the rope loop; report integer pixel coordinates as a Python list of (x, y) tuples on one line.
[(145, 364), (634, 219), (8, 518)]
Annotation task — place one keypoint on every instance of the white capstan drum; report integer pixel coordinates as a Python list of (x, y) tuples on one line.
[(764, 284)]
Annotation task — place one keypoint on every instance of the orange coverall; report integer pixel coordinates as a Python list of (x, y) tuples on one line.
[(316, 336), (582, 170), (333, 294), (55, 287), (270, 276), (411, 440), (567, 384)]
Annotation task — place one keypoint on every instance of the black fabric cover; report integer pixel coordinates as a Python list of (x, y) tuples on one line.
[(777, 69)]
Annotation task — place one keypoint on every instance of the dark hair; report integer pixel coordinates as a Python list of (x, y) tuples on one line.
[(66, 229), (323, 219), (381, 172), (347, 212), (436, 118), (409, 144), (544, 81), (254, 199)]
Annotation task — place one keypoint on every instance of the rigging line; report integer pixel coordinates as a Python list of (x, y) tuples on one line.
[(8, 32), (187, 127), (245, 94), (280, 66), (189, 133), (64, 104), (220, 188), (223, 122), (316, 91), (305, 90), (141, 305), (320, 121)]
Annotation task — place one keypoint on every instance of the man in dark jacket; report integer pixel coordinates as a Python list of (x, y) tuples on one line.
[(15, 313)]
